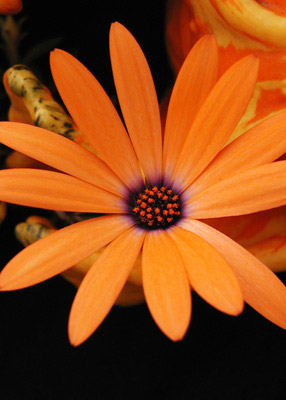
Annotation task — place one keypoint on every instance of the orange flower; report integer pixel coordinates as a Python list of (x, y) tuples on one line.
[(10, 6), (191, 176)]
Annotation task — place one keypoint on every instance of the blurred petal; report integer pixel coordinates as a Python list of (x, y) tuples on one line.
[(261, 289), (18, 160), (179, 39), (166, 285), (95, 115), (60, 153), (102, 285), (249, 229), (216, 119), (260, 145), (209, 274), (138, 100), (263, 234), (191, 88), (55, 191), (2, 211), (130, 295), (272, 252), (60, 250), (257, 189)]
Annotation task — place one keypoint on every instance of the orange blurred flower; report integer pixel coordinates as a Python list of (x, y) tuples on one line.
[(241, 28), (10, 6), (191, 176)]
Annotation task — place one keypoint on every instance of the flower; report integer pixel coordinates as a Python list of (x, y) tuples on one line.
[(191, 177), (10, 6)]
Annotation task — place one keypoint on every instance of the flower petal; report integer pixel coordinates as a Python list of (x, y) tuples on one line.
[(166, 285), (209, 274), (95, 115), (257, 189), (55, 191), (102, 285), (60, 153), (261, 289), (216, 119), (60, 250), (260, 145), (138, 100), (191, 88)]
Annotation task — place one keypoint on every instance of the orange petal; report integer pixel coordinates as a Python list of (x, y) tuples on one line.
[(260, 145), (166, 285), (95, 115), (138, 100), (257, 189), (216, 119), (209, 274), (60, 153), (102, 285), (261, 289), (60, 250), (191, 88), (55, 191)]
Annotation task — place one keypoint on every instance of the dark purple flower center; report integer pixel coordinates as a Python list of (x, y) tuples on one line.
[(157, 207)]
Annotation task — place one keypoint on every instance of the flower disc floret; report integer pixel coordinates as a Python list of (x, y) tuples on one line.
[(156, 207)]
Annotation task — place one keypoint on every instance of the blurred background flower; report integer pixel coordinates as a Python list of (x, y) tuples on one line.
[(241, 28), (10, 6)]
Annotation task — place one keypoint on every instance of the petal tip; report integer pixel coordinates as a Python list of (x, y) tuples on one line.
[(207, 42), (234, 307), (56, 53), (114, 24), (176, 334), (116, 27), (209, 37), (238, 309), (252, 61), (74, 341), (76, 336)]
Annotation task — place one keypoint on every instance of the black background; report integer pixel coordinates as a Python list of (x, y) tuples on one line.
[(221, 357)]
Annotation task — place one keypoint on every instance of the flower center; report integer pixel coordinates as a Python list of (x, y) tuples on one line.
[(155, 208)]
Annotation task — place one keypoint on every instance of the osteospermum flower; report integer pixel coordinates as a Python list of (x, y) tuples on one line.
[(155, 194)]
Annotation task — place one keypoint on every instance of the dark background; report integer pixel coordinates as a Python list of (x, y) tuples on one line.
[(221, 357)]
